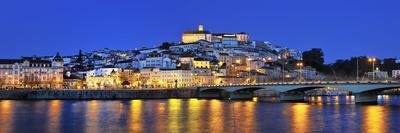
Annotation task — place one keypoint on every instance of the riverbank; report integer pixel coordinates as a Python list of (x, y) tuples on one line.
[(97, 94)]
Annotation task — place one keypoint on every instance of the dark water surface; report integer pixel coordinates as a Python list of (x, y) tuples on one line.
[(322, 114)]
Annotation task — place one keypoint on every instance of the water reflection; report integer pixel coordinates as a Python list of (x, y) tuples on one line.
[(6, 113), (193, 115), (300, 118), (92, 118), (330, 99), (160, 117), (135, 116), (374, 119), (388, 99), (245, 116), (216, 116), (54, 116), (174, 114)]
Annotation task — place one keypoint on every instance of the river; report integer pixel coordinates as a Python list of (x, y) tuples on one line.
[(321, 114)]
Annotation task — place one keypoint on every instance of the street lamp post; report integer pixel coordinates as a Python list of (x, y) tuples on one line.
[(300, 65), (357, 69), (373, 67)]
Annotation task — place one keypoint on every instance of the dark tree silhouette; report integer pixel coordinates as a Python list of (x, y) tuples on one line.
[(314, 58), (165, 45)]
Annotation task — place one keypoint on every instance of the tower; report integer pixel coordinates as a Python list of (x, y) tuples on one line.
[(201, 27), (58, 61)]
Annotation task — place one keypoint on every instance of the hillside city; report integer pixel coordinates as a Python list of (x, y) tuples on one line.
[(201, 58)]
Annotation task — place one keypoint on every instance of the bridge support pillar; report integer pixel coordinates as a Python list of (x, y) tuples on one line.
[(291, 97), (366, 98)]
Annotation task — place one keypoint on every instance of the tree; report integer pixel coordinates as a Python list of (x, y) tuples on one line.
[(2, 81), (125, 84), (165, 45), (389, 64), (314, 58), (80, 58)]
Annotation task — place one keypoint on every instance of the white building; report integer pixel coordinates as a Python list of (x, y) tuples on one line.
[(396, 74), (99, 72), (158, 62), (31, 73), (167, 78)]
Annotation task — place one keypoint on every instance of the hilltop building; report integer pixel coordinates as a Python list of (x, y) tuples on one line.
[(225, 38)]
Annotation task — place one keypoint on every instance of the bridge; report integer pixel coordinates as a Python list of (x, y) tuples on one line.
[(295, 91)]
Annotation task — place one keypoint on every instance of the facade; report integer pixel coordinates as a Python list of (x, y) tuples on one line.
[(201, 63), (194, 36), (396, 74), (172, 78), (102, 78), (159, 62), (31, 73), (378, 75)]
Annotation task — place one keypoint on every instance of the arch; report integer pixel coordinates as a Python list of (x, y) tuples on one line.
[(251, 89), (378, 90), (212, 90), (304, 89)]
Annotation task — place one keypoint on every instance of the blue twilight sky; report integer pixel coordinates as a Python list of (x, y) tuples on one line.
[(342, 28)]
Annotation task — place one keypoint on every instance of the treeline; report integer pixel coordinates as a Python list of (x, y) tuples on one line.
[(347, 68)]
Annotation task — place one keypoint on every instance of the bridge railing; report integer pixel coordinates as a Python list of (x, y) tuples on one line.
[(303, 83)]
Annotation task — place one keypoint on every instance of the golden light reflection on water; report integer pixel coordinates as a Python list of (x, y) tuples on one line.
[(135, 116), (160, 117), (174, 114), (7, 115), (54, 116), (336, 99), (248, 111), (300, 115), (374, 119), (92, 116), (194, 116), (216, 116)]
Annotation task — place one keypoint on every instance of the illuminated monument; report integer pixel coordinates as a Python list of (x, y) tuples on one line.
[(201, 34)]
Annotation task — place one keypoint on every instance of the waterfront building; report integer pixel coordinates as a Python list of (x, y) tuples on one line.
[(172, 78), (32, 72), (104, 78), (130, 78), (73, 81)]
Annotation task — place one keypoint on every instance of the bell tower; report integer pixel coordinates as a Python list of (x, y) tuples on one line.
[(201, 27)]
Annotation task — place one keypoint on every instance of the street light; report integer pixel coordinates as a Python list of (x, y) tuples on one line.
[(300, 65), (373, 67)]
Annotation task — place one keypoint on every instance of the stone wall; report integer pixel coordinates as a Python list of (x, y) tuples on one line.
[(97, 94)]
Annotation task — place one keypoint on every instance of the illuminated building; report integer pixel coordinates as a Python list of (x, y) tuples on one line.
[(103, 78), (72, 81), (225, 38), (201, 63), (31, 72), (171, 78), (396, 74), (194, 36), (203, 76)]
